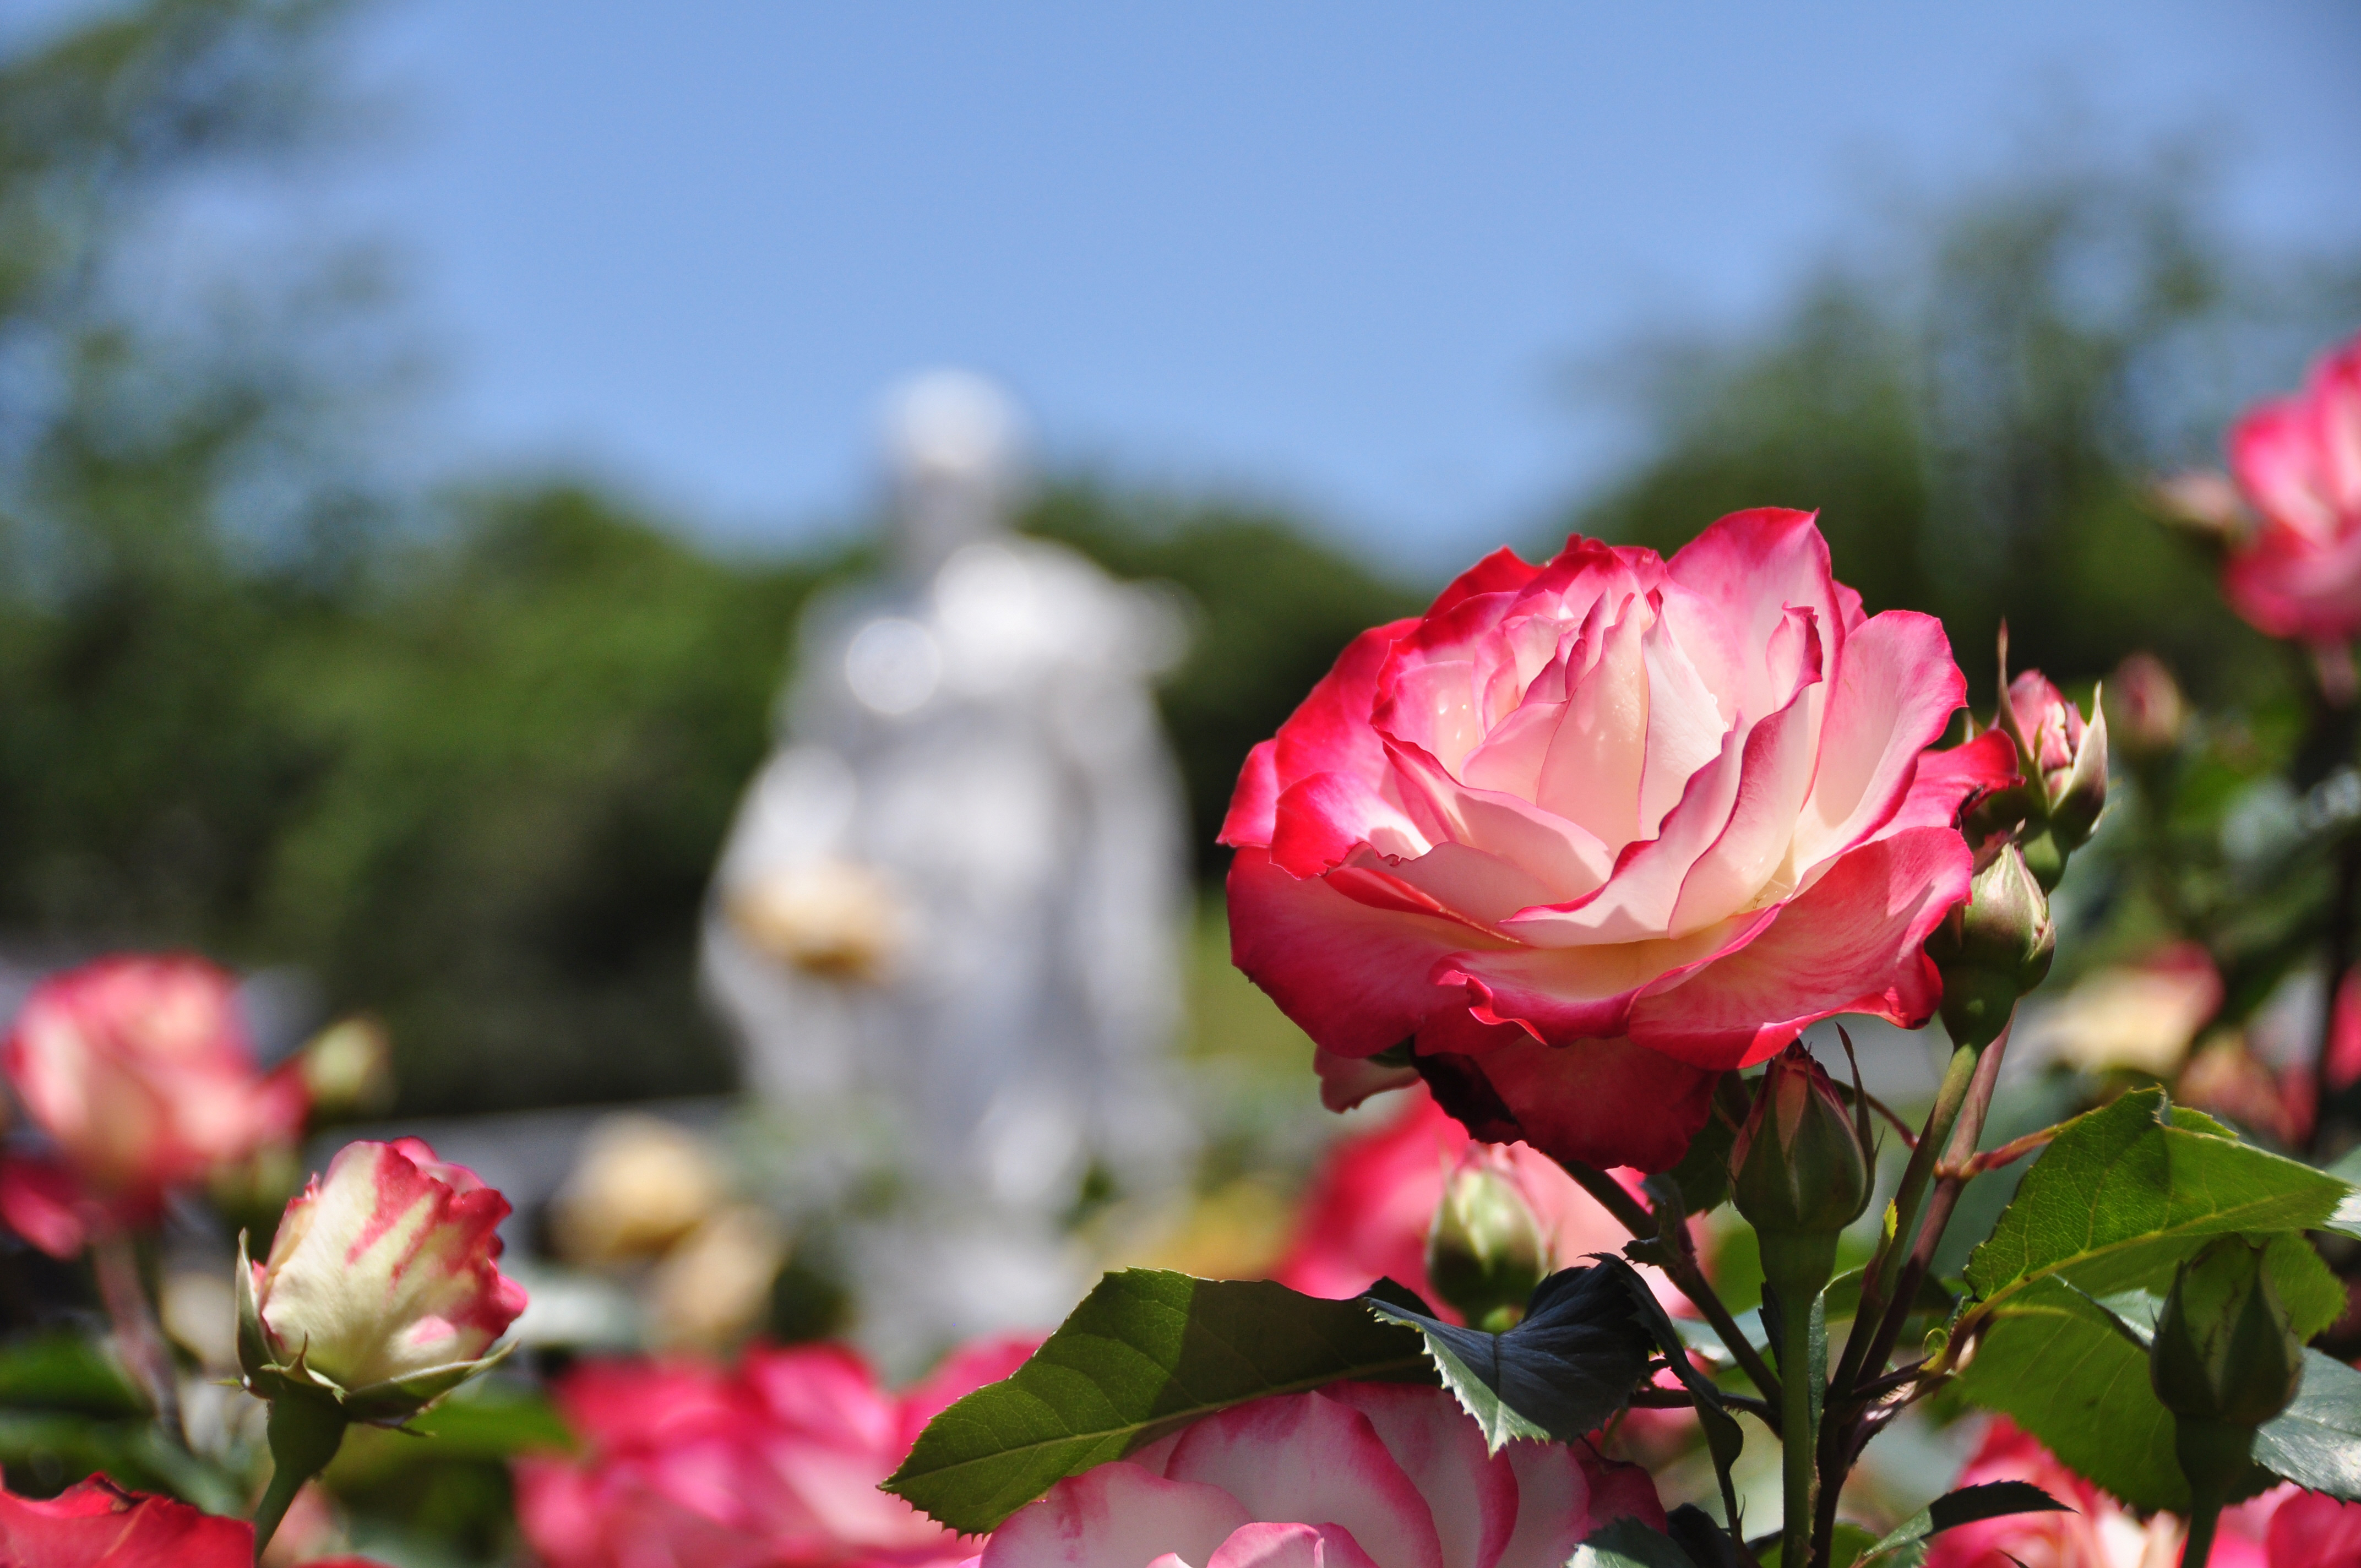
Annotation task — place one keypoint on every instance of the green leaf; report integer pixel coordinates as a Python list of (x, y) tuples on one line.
[(1628, 1544), (64, 1371), (2316, 1441), (1706, 1542), (1561, 1373), (1147, 1352), (494, 1418), (1905, 1546), (2126, 1192), (2072, 1370), (136, 1453)]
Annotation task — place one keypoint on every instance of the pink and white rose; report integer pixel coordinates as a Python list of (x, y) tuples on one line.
[(2296, 572), (1586, 834), (383, 1282), (1353, 1475), (140, 1070), (775, 1461)]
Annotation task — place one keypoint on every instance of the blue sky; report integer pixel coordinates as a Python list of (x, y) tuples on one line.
[(1340, 255)]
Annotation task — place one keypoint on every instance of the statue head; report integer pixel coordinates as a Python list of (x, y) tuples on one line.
[(955, 464)]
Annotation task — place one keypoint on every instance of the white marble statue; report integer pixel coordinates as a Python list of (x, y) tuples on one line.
[(947, 916)]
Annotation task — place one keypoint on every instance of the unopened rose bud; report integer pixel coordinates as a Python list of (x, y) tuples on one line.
[(1800, 1170), (1485, 1251), (348, 1067), (2065, 766), (383, 1288), (2225, 1359), (1994, 947), (2150, 713), (2226, 1350)]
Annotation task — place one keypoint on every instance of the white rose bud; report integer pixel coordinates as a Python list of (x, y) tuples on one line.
[(382, 1292)]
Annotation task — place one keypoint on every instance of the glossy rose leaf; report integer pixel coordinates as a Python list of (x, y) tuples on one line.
[(2316, 1441), (1147, 1352), (1573, 1361), (2126, 1192), (1628, 1544), (2072, 1370)]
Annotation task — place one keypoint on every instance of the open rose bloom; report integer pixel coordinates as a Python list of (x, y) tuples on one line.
[(777, 1461), (1591, 832), (2297, 573), (383, 1283), (1353, 1475), (141, 1072)]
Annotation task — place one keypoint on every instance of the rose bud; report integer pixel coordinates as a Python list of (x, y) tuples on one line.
[(1994, 947), (2150, 713), (1485, 1252), (2064, 763), (348, 1067), (1800, 1170), (2225, 1359), (2225, 1348), (382, 1292)]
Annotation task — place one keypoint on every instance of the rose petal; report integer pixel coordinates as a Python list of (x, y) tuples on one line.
[(1292, 1546), (1306, 1457), (1578, 1102), (1893, 697), (1850, 944), (1473, 1500), (1117, 1513), (1353, 977)]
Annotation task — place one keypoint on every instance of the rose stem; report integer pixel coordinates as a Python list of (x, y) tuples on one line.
[(117, 1265), (2339, 959), (304, 1433), (1842, 1438), (1797, 1434), (1680, 1263), (2203, 1517)]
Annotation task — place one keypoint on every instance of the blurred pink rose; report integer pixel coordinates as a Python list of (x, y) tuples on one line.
[(2103, 1533), (2297, 573), (140, 1070), (385, 1273), (1366, 1214), (1354, 1475), (1591, 832), (2310, 1530), (776, 1462)]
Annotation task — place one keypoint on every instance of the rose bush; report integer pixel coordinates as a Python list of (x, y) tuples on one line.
[(1591, 832), (2296, 572), (776, 1462), (384, 1280), (140, 1070), (1354, 1475)]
